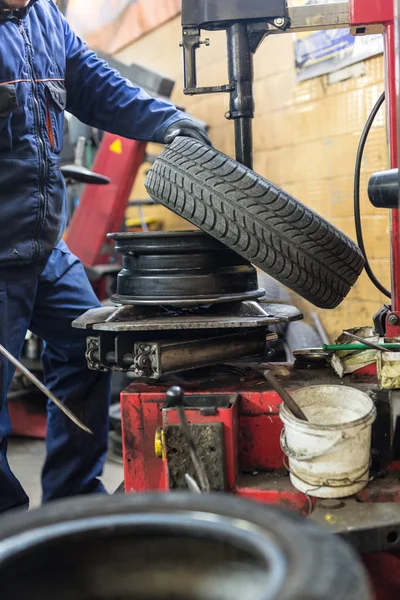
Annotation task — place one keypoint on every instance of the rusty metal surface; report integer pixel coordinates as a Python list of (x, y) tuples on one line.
[(183, 302), (224, 316), (286, 313), (93, 316), (317, 17), (370, 527), (175, 400), (236, 377), (209, 441), (371, 520), (153, 359), (388, 365), (382, 490), (273, 488)]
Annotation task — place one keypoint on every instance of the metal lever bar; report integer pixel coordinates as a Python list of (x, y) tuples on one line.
[(288, 400), (357, 338), (44, 389)]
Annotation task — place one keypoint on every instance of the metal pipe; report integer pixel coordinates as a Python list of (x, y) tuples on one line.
[(244, 141), (240, 69)]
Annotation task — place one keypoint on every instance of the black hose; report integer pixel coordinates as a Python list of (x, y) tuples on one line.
[(357, 210)]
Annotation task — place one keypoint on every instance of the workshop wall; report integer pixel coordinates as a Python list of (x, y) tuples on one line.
[(305, 137)]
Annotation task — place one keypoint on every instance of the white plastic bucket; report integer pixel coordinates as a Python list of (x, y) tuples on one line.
[(329, 455)]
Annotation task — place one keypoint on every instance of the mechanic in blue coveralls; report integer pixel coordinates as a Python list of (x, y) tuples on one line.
[(44, 69)]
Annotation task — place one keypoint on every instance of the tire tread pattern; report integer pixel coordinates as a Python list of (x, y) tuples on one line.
[(258, 220)]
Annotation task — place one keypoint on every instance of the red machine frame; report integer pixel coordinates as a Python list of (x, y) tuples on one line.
[(252, 428), (101, 209), (251, 437), (363, 15)]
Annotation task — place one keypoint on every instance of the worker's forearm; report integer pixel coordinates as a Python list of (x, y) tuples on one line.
[(107, 101), (100, 97)]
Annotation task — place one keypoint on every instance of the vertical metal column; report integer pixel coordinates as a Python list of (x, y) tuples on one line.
[(391, 97), (365, 14), (240, 68), (397, 51)]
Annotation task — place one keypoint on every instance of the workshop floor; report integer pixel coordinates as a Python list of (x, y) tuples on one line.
[(26, 458)]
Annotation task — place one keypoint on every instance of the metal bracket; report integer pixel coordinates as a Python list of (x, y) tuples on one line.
[(191, 42), (92, 355), (198, 15), (147, 360)]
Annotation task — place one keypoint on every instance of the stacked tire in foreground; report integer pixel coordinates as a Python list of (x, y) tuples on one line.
[(181, 546)]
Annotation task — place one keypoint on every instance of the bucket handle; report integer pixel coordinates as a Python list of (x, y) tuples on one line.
[(304, 457)]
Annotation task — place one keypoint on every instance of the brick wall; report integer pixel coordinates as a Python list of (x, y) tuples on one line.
[(305, 140)]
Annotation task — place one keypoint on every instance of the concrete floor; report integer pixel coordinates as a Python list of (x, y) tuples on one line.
[(26, 459)]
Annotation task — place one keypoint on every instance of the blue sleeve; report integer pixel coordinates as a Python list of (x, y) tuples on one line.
[(100, 97)]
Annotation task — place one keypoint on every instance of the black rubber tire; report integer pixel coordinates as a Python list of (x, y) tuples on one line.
[(257, 219), (315, 564)]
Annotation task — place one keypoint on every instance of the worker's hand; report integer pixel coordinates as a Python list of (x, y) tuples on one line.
[(187, 128)]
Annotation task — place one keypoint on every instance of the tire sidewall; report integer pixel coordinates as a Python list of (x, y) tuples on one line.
[(299, 540)]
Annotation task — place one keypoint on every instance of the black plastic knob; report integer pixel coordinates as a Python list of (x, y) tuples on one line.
[(175, 396)]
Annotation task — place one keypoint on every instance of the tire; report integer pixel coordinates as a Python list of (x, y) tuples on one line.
[(257, 219), (176, 545)]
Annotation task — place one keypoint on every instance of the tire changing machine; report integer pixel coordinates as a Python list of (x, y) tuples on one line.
[(202, 325)]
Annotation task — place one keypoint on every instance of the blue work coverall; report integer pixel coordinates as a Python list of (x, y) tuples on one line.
[(44, 69)]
